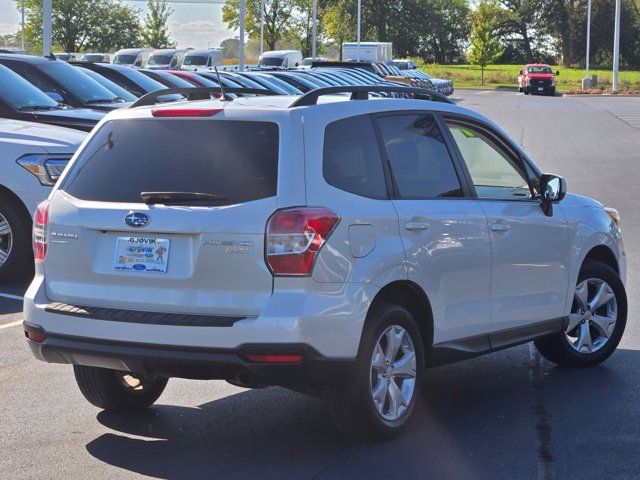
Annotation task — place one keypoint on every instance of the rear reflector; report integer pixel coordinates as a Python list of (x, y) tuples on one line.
[(35, 337), (185, 112), (258, 358)]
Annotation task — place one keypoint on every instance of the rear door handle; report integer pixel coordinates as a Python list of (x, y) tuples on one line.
[(416, 226), (500, 227)]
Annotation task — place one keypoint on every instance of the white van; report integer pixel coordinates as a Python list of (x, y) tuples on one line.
[(281, 58), (202, 59), (132, 57), (374, 52), (166, 58)]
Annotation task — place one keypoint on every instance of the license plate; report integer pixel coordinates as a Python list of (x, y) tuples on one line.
[(142, 254), (540, 89)]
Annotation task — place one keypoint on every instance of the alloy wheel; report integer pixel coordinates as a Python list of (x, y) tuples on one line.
[(393, 373), (6, 240), (593, 316)]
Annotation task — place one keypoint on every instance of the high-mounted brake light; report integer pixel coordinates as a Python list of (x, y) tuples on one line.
[(185, 112), (294, 238), (40, 232)]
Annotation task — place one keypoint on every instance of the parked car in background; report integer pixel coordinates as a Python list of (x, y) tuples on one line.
[(67, 57), (202, 59), (132, 57), (167, 79), (96, 57), (374, 52), (19, 100), (537, 79), (308, 62), (32, 158), (405, 64), (166, 58), (128, 78), (280, 59), (63, 82), (109, 85)]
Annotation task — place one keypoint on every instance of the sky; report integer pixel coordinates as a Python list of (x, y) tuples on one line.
[(195, 25)]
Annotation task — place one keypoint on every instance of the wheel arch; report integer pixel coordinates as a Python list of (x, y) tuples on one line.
[(604, 254), (15, 199), (411, 296)]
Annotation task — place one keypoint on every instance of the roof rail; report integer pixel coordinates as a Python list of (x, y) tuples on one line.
[(361, 92), (195, 93)]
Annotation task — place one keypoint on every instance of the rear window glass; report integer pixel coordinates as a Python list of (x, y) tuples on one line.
[(237, 160), (352, 160)]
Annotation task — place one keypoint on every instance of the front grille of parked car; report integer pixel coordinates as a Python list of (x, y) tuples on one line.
[(541, 83)]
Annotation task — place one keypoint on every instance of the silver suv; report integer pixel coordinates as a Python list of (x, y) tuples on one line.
[(326, 243)]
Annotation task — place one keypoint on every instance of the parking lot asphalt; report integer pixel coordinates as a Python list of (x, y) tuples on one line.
[(507, 415)]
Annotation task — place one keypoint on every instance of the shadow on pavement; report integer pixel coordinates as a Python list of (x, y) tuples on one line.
[(484, 418)]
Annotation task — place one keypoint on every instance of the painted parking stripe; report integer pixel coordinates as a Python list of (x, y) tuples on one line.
[(11, 297), (12, 324)]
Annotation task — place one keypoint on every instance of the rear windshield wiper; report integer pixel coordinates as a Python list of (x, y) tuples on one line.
[(106, 100), (151, 198)]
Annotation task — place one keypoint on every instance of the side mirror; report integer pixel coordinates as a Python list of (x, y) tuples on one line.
[(521, 72), (553, 188), (55, 96), (557, 73)]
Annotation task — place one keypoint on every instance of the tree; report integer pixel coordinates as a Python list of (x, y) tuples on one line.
[(77, 23), (230, 47), (486, 47), (446, 27), (278, 19), (120, 28), (155, 29)]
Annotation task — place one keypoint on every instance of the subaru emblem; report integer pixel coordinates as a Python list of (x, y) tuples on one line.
[(137, 219)]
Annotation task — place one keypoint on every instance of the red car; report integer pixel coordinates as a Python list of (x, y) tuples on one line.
[(537, 78)]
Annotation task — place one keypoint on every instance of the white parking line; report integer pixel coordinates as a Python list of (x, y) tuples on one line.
[(486, 91), (12, 324), (11, 297)]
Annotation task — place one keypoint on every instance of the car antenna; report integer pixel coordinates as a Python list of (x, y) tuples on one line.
[(225, 97)]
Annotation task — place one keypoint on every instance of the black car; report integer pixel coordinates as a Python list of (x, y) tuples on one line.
[(128, 78), (19, 100), (63, 82), (165, 78)]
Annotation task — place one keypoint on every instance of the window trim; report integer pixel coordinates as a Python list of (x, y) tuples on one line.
[(501, 142), (393, 189)]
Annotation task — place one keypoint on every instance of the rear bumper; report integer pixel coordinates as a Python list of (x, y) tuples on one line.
[(313, 370)]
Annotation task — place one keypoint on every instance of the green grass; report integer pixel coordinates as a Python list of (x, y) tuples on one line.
[(501, 76)]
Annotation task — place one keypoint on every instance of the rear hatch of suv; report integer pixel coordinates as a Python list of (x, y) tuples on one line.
[(166, 215)]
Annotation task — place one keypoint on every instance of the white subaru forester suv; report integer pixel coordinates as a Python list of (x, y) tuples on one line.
[(325, 243)]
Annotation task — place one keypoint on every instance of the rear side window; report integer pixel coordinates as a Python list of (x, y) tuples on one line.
[(352, 160), (420, 161), (237, 160)]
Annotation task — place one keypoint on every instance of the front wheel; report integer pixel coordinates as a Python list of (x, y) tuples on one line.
[(118, 391), (381, 397), (596, 323)]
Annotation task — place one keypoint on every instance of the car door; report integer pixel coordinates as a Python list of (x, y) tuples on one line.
[(444, 231), (530, 251)]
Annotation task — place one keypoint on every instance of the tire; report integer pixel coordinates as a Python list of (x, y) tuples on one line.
[(526, 91), (352, 406), (552, 92), (562, 349), (16, 255), (108, 390)]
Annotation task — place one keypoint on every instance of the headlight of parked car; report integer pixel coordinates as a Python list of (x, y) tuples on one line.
[(47, 168)]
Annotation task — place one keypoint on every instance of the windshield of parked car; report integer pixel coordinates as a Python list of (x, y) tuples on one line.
[(20, 94), (125, 59), (539, 70), (236, 160), (160, 59), (108, 84), (92, 58), (194, 60), (77, 83), (271, 62)]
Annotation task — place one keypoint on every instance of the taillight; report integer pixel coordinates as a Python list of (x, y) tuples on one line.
[(294, 238), (185, 112), (40, 233)]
